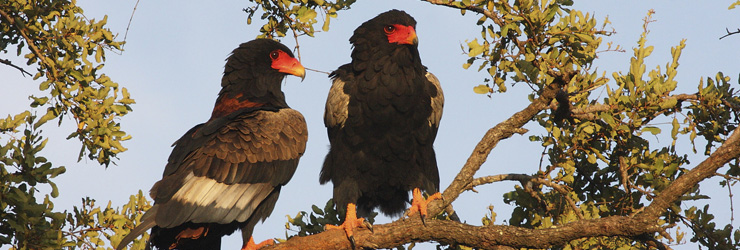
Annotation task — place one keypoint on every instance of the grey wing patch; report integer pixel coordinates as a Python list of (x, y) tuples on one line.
[(336, 105), (437, 102), (204, 200), (229, 174)]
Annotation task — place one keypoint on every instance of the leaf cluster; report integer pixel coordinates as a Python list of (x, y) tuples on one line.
[(297, 15), (67, 51)]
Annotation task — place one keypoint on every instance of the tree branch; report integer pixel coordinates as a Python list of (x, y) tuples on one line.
[(729, 150), (729, 33), (490, 237), (9, 63), (36, 51), (483, 237)]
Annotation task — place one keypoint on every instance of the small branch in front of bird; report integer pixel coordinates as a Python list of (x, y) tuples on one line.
[(297, 46), (315, 70)]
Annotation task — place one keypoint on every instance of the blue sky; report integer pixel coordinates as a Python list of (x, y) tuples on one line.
[(174, 57)]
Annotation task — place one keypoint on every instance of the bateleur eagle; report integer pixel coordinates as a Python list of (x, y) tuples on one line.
[(226, 173), (382, 116)]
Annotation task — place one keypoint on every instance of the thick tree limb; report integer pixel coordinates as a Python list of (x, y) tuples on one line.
[(483, 237), (729, 150)]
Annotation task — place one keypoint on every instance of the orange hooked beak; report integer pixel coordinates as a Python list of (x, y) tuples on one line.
[(286, 64)]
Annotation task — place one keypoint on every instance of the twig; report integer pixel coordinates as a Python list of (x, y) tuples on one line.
[(495, 18), (524, 179), (315, 70), (9, 63), (729, 33), (728, 178), (125, 35)]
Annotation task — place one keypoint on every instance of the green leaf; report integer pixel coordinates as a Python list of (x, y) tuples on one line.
[(475, 48), (482, 89), (674, 129), (667, 103), (652, 130)]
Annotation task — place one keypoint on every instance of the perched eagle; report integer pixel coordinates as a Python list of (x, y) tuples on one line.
[(226, 173), (382, 115)]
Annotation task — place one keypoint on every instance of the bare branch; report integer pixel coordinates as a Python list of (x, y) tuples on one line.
[(729, 33), (125, 35), (482, 237), (316, 70), (9, 63)]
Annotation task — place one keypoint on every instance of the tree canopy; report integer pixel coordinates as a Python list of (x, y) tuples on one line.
[(619, 149)]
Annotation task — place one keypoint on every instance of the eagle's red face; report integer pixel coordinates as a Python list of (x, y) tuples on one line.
[(400, 34), (286, 64)]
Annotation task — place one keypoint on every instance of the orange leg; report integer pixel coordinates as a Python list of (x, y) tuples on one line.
[(251, 246), (350, 223), (419, 204)]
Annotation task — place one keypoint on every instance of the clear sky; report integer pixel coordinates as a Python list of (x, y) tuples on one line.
[(174, 57)]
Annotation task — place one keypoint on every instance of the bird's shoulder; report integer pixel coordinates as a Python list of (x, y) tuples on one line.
[(335, 112)]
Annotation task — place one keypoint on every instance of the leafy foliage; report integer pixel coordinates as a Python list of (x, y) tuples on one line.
[(68, 51), (63, 45), (297, 15)]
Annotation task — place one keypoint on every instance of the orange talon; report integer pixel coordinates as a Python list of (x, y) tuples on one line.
[(189, 233), (251, 246), (350, 223), (419, 204)]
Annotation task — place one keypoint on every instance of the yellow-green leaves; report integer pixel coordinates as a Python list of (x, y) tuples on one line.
[(296, 16), (522, 41), (69, 50), (482, 89), (475, 49)]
